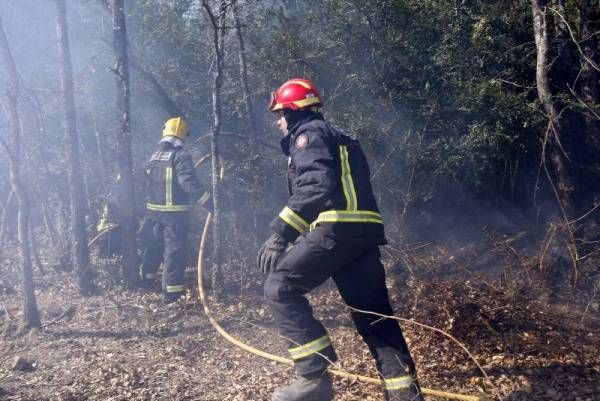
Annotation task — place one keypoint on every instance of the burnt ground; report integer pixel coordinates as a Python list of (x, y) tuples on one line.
[(534, 344)]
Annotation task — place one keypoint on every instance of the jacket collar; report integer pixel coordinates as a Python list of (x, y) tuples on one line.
[(176, 142), (295, 120)]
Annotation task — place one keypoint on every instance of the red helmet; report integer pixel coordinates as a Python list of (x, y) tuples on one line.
[(295, 94)]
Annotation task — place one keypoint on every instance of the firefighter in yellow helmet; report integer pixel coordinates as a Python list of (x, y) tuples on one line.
[(172, 188)]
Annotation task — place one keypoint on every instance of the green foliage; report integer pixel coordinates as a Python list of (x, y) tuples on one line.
[(441, 94)]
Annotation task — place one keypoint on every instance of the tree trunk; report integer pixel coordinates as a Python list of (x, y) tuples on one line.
[(564, 187), (121, 70), (5, 210), (218, 45), (80, 253), (137, 64), (31, 315), (244, 75), (34, 251)]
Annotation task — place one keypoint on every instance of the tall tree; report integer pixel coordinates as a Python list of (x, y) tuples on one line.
[(5, 210), (31, 315), (218, 30), (564, 186), (244, 72), (80, 252), (121, 70)]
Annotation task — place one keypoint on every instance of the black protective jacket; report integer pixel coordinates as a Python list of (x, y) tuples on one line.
[(329, 185), (171, 186)]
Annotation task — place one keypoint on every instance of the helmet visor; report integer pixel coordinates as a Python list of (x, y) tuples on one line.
[(273, 101)]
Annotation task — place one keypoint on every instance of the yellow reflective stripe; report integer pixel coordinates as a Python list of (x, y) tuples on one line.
[(307, 102), (105, 226), (169, 186), (344, 174), (301, 83), (347, 216), (204, 198), (104, 219), (310, 348), (168, 208), (175, 288), (398, 383), (347, 183), (299, 103), (290, 217), (351, 213)]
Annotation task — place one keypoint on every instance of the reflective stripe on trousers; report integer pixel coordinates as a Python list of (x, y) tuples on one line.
[(310, 348), (398, 383), (174, 288)]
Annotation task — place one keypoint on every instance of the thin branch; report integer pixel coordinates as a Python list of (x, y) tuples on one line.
[(587, 106), (387, 157), (547, 241), (586, 214), (7, 148), (514, 83), (595, 251), (461, 345), (211, 16), (69, 312), (591, 62)]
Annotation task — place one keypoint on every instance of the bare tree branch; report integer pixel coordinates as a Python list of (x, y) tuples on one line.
[(575, 41)]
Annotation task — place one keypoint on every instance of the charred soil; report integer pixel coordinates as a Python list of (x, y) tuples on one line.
[(122, 344)]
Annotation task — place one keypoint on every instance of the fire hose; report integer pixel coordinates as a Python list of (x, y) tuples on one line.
[(276, 358)]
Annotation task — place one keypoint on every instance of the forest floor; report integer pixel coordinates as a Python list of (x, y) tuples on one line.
[(123, 345)]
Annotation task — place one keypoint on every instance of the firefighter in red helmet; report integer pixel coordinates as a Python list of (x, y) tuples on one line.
[(332, 219)]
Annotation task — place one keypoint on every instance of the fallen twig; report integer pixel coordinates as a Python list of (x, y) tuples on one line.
[(547, 241), (461, 345), (68, 312), (8, 315)]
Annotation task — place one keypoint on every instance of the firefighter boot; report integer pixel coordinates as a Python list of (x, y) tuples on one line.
[(303, 389), (170, 297), (412, 392)]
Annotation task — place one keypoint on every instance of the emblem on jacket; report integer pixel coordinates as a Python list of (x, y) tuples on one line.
[(301, 141), (161, 156)]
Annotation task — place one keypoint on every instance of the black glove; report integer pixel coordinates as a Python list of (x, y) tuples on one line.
[(269, 253)]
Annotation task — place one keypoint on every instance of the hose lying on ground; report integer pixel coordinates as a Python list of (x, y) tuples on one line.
[(248, 348)]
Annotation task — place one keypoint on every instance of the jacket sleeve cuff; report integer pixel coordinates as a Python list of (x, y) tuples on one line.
[(289, 225)]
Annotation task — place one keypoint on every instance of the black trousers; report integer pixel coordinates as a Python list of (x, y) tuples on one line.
[(165, 242), (360, 279)]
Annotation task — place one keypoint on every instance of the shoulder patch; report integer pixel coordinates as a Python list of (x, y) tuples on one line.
[(301, 141), (161, 156)]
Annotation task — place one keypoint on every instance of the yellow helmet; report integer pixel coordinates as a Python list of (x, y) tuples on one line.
[(177, 127)]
